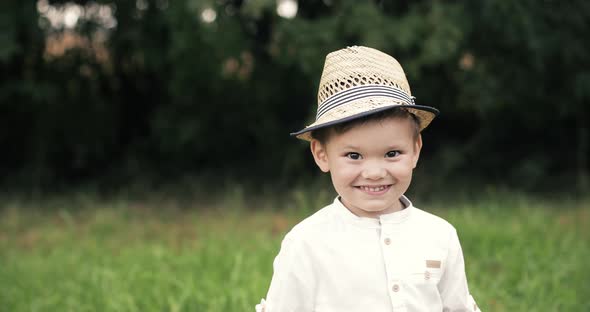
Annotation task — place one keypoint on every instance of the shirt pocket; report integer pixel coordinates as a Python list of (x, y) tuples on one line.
[(422, 285), (425, 271)]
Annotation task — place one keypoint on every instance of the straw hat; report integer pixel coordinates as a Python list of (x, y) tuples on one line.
[(359, 81)]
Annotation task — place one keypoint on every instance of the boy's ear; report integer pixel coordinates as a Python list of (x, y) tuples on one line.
[(417, 149), (318, 150)]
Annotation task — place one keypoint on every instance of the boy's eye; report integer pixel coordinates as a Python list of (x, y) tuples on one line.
[(354, 156), (392, 154)]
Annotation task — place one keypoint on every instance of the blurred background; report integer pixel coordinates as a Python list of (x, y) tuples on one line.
[(113, 92), (146, 163)]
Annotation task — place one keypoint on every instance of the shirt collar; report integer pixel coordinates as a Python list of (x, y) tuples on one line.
[(389, 218)]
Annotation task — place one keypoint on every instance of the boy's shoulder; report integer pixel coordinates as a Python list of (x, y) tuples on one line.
[(431, 219), (320, 223), (316, 223), (428, 227)]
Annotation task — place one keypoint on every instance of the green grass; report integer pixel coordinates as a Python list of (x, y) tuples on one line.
[(85, 254)]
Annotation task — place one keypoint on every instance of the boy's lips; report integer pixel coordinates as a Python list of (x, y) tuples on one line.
[(374, 189)]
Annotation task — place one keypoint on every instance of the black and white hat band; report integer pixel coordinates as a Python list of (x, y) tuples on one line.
[(363, 91)]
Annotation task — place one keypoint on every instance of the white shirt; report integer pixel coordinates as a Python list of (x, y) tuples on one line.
[(334, 261)]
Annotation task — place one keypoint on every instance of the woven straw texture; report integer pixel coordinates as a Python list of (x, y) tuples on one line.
[(360, 66), (355, 66)]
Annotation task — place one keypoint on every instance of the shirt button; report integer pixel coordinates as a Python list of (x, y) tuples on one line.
[(387, 241), (426, 275), (395, 288)]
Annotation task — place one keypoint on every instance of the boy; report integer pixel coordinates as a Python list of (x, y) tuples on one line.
[(371, 249)]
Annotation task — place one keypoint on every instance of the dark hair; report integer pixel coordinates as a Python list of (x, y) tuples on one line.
[(323, 134)]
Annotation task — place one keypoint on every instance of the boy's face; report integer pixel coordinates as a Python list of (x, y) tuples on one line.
[(371, 164)]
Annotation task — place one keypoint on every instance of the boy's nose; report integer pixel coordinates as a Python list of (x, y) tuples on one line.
[(374, 172)]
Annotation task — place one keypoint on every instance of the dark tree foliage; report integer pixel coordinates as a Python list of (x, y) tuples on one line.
[(164, 94)]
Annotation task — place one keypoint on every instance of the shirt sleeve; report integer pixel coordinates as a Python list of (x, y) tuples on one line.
[(292, 286), (453, 284)]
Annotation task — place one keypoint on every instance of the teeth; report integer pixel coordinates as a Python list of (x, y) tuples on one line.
[(373, 189)]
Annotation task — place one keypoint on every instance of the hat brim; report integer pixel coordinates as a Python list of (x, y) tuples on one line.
[(305, 134)]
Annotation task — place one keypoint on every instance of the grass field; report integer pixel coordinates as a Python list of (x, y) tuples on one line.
[(81, 253)]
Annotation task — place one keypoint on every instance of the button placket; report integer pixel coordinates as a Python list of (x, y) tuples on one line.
[(390, 248), (387, 250), (396, 291)]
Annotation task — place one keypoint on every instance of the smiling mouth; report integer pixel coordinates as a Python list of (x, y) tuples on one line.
[(378, 189)]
